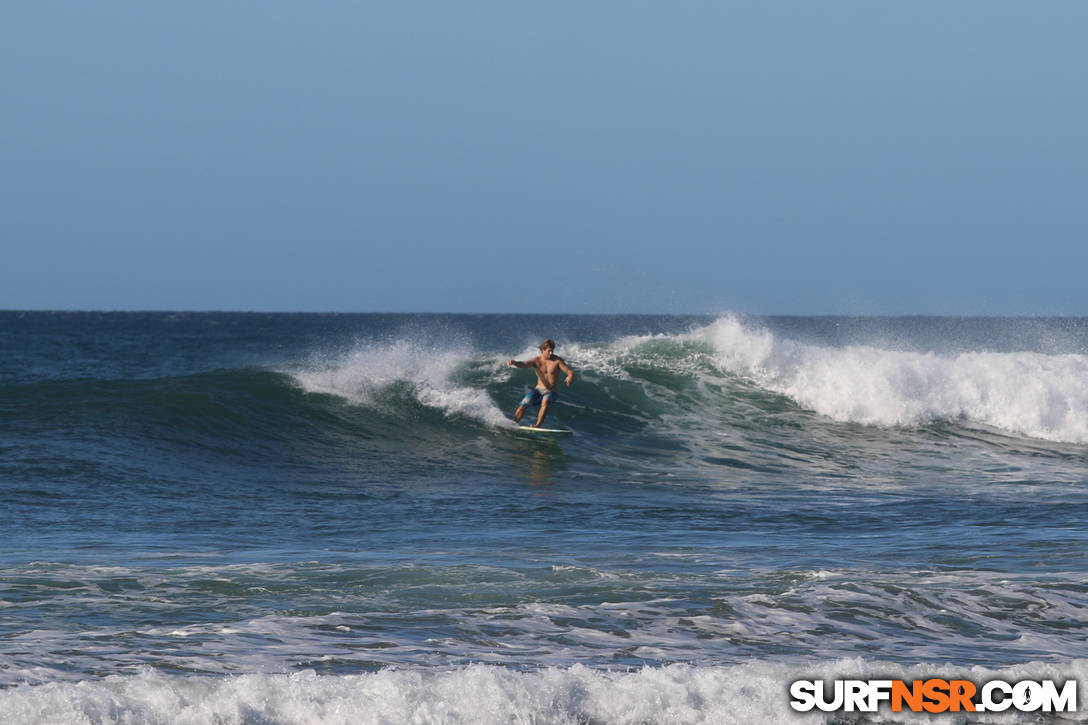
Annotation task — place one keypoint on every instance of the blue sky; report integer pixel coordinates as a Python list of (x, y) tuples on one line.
[(758, 157)]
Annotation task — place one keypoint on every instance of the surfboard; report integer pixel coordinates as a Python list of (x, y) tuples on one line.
[(527, 432)]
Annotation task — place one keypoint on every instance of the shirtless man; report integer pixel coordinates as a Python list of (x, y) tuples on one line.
[(547, 366)]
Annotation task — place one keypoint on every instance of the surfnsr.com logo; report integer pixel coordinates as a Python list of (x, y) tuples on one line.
[(934, 695)]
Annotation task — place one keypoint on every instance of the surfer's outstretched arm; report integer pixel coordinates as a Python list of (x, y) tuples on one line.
[(520, 364)]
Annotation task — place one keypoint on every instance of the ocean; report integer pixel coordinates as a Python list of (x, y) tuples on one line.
[(306, 518)]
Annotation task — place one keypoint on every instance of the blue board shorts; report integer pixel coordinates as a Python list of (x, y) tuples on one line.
[(535, 395)]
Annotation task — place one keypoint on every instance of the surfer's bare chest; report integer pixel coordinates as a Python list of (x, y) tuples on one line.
[(547, 371)]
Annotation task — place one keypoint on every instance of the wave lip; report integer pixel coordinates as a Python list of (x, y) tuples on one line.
[(1025, 393), (371, 376)]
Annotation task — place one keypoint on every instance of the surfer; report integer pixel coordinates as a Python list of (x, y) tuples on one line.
[(547, 366)]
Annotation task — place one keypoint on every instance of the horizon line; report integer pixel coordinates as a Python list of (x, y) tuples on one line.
[(722, 313)]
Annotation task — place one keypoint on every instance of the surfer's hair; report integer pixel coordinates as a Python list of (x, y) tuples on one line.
[(548, 344)]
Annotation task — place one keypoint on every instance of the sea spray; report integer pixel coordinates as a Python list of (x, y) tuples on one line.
[(428, 370)]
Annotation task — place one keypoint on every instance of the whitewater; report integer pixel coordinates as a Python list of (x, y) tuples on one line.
[(250, 518)]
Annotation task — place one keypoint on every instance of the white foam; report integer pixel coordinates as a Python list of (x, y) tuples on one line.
[(1029, 393), (747, 693), (429, 371), (913, 615)]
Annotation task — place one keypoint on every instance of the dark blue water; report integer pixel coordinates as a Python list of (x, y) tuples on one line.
[(197, 497)]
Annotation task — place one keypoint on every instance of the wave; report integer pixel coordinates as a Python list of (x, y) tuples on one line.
[(686, 389), (1025, 393), (747, 693), (374, 375), (675, 377), (1034, 394)]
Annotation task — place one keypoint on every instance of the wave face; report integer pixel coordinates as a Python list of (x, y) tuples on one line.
[(439, 375), (678, 376), (293, 518)]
